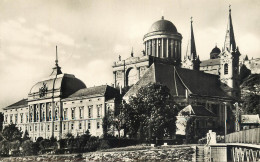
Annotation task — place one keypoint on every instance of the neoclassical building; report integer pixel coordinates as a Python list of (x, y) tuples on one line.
[(61, 104), (211, 85)]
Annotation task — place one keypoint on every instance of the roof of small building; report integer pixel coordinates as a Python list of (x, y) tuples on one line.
[(250, 119), (20, 103), (197, 110), (103, 90), (178, 80), (210, 62)]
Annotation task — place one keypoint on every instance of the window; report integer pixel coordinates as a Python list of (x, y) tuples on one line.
[(81, 109), (56, 127), (37, 116), (64, 126), (41, 127), (16, 118), (98, 125), (73, 113), (72, 126), (65, 114), (99, 110), (21, 115), (226, 69), (90, 109), (43, 115), (6, 117), (30, 128), (48, 127), (49, 115), (56, 114), (35, 128), (31, 117), (89, 125), (27, 118), (11, 118), (80, 126)]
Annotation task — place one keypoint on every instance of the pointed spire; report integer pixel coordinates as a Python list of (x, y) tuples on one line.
[(56, 69), (230, 43), (56, 61), (193, 53)]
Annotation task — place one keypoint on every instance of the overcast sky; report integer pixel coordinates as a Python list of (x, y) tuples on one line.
[(90, 35)]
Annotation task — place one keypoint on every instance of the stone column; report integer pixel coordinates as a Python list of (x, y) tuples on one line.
[(157, 48), (162, 46), (167, 47), (114, 77)]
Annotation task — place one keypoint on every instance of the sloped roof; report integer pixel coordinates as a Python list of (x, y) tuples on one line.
[(178, 80), (197, 110), (103, 90), (20, 103), (210, 62), (250, 119)]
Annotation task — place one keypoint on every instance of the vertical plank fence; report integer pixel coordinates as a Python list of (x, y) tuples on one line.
[(250, 136)]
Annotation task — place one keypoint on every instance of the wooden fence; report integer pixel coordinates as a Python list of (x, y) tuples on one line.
[(245, 136)]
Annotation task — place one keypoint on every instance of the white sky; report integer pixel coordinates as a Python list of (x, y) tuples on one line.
[(90, 35)]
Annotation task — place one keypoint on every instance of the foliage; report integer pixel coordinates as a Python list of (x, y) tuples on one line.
[(27, 148), (26, 136), (190, 130), (151, 112), (115, 119), (1, 121), (12, 133), (250, 90)]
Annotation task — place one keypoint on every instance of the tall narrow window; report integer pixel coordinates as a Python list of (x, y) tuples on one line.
[(73, 113), (99, 110), (81, 110), (65, 114), (89, 125), (21, 115), (16, 118), (80, 126), (43, 116), (27, 118), (56, 114), (90, 109), (98, 125), (226, 69), (6, 117)]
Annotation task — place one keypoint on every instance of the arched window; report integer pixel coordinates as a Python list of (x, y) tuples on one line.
[(226, 69)]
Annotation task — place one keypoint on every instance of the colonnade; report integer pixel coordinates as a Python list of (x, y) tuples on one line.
[(163, 48)]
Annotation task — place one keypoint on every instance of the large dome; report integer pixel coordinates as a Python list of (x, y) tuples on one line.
[(164, 26), (61, 86)]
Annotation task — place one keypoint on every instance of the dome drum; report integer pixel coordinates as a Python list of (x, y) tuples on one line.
[(163, 40)]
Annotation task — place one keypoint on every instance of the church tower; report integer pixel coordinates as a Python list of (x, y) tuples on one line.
[(229, 62), (191, 60)]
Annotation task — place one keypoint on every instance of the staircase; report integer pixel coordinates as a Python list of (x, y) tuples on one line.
[(200, 154)]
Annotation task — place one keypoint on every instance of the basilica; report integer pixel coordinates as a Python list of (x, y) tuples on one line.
[(208, 89)]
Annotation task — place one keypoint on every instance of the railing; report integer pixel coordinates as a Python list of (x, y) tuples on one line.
[(250, 136)]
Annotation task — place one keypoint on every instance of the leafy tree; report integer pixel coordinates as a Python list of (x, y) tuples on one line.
[(26, 136), (115, 120), (153, 108), (12, 133), (250, 90), (27, 148), (1, 121)]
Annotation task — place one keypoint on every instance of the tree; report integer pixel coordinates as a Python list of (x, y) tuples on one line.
[(153, 108), (27, 148), (26, 136), (12, 133), (250, 90), (1, 121), (115, 120)]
